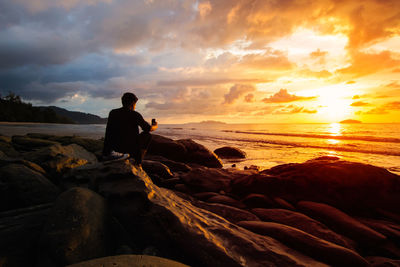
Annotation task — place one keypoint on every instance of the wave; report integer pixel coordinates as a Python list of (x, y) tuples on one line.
[(324, 136), (331, 147)]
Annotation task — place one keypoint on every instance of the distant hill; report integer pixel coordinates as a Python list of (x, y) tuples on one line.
[(350, 121), (14, 110), (78, 117), (208, 122)]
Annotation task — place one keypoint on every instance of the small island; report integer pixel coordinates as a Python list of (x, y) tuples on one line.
[(350, 121)]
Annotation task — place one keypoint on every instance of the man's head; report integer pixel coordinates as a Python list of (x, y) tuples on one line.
[(129, 100)]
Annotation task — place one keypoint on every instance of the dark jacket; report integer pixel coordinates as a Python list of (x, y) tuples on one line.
[(122, 130)]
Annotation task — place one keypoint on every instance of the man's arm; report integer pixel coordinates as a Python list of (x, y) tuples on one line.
[(146, 127)]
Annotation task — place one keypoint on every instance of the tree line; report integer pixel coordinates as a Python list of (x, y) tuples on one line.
[(13, 109)]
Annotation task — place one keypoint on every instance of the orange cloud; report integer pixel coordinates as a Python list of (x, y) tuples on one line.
[(384, 109), (283, 97), (363, 63), (293, 109), (359, 104)]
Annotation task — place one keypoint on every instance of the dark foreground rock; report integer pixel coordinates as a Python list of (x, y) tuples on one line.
[(343, 184), (75, 229), (309, 244), (21, 186), (157, 217), (315, 213)]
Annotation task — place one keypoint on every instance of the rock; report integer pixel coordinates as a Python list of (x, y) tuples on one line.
[(343, 184), (227, 152), (199, 154), (280, 202), (129, 261), (221, 199), (158, 217), (389, 229), (20, 229), (157, 168), (170, 183), (7, 148), (258, 201), (186, 151), (229, 213), (172, 165), (58, 158), (20, 186), (382, 262), (166, 148), (304, 223), (205, 195), (75, 230), (27, 143), (91, 145), (341, 222), (306, 243), (252, 167), (209, 179)]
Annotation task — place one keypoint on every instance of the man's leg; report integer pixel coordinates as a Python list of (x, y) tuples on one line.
[(143, 144)]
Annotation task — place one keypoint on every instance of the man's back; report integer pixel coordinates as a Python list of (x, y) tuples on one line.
[(123, 130)]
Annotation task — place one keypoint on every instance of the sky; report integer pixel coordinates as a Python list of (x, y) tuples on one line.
[(236, 61)]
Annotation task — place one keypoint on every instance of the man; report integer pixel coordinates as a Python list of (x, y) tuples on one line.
[(122, 132)]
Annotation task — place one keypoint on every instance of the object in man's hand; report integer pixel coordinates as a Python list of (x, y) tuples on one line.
[(153, 122)]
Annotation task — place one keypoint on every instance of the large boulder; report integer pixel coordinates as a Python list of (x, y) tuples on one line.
[(166, 147), (75, 230), (199, 154), (129, 261), (58, 158), (185, 150), (228, 152), (157, 217), (304, 223), (21, 186), (341, 222), (343, 184), (306, 243)]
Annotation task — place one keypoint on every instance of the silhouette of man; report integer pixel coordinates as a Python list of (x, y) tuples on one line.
[(122, 132)]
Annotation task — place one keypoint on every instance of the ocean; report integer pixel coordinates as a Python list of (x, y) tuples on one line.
[(266, 145)]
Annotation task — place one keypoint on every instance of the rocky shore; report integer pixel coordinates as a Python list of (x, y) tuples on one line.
[(61, 206)]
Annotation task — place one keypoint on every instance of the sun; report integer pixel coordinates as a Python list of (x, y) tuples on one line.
[(334, 103)]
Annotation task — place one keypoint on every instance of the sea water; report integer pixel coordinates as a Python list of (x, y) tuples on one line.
[(266, 145)]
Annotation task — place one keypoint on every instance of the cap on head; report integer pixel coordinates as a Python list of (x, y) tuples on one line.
[(128, 98)]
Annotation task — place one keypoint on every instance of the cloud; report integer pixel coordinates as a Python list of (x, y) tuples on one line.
[(383, 109), (283, 97), (365, 63), (359, 104), (293, 109), (249, 98), (237, 91)]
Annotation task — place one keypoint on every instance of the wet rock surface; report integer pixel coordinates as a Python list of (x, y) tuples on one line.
[(227, 152), (184, 207)]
